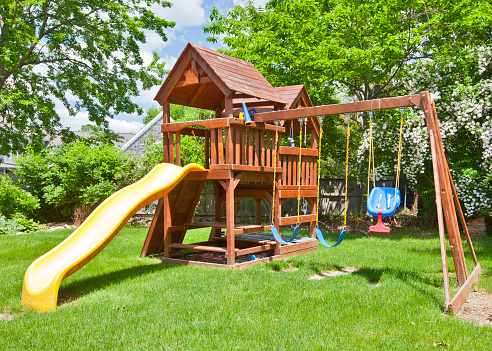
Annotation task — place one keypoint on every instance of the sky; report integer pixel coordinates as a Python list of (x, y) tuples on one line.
[(190, 17)]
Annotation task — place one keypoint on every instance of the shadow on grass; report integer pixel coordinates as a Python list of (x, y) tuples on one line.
[(76, 289), (419, 283)]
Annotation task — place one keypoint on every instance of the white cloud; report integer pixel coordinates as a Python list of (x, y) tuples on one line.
[(186, 13), (257, 3), (120, 126)]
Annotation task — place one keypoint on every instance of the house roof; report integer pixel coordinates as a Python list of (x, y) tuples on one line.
[(143, 131), (202, 78), (82, 134)]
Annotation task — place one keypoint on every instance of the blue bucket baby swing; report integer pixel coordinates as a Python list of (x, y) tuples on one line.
[(383, 201)]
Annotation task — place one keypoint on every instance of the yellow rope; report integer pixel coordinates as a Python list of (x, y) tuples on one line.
[(399, 153), (299, 173), (346, 175), (274, 173), (319, 172), (371, 159)]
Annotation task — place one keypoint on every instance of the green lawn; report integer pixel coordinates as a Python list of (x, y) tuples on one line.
[(120, 301)]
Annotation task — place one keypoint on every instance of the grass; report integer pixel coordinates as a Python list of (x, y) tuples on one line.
[(120, 301)]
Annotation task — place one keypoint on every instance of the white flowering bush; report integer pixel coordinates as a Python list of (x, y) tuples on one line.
[(465, 117)]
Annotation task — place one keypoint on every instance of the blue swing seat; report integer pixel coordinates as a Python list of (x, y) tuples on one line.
[(384, 200)]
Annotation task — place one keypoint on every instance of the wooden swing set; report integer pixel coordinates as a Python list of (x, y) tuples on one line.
[(247, 160)]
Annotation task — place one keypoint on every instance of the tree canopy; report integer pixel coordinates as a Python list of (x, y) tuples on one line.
[(359, 46), (82, 54)]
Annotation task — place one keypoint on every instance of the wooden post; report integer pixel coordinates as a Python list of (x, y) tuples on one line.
[(167, 223), (231, 254), (207, 149), (166, 118), (442, 238), (445, 190)]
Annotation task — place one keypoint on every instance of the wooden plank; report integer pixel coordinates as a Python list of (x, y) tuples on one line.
[(154, 239), (178, 149), (165, 147), (440, 220), (445, 189), (286, 150), (194, 132), (170, 148), (213, 146), (284, 169), (242, 144), (250, 146), (304, 175), (172, 80), (230, 222), (257, 147), (167, 223), (245, 168), (251, 228), (220, 145), (339, 109), (207, 123), (237, 144), (229, 146), (207, 149), (199, 247), (254, 249), (262, 148), (295, 187), (211, 73), (460, 297), (268, 149), (293, 219), (294, 247)]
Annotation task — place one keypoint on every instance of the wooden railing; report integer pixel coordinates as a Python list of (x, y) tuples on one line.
[(231, 144), (289, 157)]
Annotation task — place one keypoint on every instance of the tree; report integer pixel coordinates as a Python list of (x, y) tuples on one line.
[(359, 47), (85, 55), (100, 135), (150, 114)]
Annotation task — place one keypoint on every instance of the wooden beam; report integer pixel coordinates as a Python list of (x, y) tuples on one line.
[(445, 190), (154, 239), (293, 219), (231, 259), (260, 103), (286, 150), (338, 109), (203, 84), (167, 223), (460, 297), (199, 247), (165, 91), (442, 238), (207, 123)]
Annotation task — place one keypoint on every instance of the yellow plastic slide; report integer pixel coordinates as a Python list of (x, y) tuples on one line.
[(44, 275)]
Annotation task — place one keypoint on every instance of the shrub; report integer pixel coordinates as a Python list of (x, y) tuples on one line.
[(13, 199)]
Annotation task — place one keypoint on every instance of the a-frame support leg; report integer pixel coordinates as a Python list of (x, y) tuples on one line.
[(445, 190)]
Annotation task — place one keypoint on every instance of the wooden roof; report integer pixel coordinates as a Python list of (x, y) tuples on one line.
[(202, 78)]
